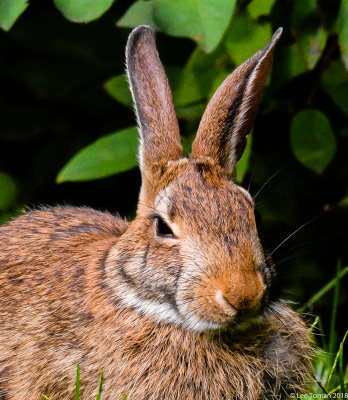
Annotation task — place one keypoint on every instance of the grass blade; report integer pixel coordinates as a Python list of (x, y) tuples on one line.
[(340, 350), (100, 386), (333, 335), (338, 387), (314, 324), (323, 290), (77, 387), (45, 397), (340, 365)]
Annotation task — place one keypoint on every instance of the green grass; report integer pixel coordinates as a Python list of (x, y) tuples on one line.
[(330, 372), (77, 386)]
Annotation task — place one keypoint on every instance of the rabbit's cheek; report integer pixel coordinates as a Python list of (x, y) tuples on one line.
[(141, 283)]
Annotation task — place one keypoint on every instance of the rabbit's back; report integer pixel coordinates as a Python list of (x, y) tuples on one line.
[(52, 244), (50, 267)]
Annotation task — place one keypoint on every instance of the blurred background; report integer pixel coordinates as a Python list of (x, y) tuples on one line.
[(67, 129)]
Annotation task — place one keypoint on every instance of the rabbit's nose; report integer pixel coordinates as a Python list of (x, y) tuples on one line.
[(244, 304), (241, 298), (242, 308)]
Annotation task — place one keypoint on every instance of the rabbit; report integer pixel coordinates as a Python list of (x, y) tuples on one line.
[(176, 304)]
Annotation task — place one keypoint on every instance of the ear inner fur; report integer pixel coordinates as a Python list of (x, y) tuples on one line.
[(159, 129), (231, 111)]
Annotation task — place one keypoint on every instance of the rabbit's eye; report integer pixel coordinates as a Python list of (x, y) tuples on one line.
[(162, 229)]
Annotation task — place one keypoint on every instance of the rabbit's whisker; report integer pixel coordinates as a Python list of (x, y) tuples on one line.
[(269, 179), (249, 184), (150, 207), (292, 234)]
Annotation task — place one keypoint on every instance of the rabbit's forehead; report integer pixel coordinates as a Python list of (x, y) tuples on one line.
[(195, 201)]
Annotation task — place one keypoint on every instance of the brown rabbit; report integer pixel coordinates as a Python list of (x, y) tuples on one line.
[(173, 305)]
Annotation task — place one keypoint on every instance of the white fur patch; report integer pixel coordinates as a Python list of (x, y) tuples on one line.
[(199, 325), (163, 312), (228, 308), (161, 205), (161, 202)]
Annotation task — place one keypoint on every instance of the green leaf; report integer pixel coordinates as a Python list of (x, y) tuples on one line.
[(288, 65), (310, 37), (245, 37), (191, 112), (139, 13), (8, 191), (194, 84), (335, 84), (311, 46), (83, 10), (217, 81), (303, 13), (215, 17), (260, 7), (243, 164), (178, 18), (117, 87), (191, 88), (204, 21), (109, 155), (342, 28), (10, 10), (312, 139)]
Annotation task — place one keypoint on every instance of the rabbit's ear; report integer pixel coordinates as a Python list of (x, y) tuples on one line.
[(226, 122), (158, 125)]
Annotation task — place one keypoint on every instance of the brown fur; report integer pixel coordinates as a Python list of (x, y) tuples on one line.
[(56, 316), (184, 315)]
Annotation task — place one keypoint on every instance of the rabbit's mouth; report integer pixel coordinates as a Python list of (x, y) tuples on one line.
[(236, 320), (241, 324), (245, 322)]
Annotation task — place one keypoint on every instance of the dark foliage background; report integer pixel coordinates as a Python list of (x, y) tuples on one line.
[(54, 101)]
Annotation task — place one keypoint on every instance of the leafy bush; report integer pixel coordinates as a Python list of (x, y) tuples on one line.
[(67, 118)]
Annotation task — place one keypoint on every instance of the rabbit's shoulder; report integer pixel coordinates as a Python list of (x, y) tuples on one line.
[(54, 247), (62, 222), (48, 233)]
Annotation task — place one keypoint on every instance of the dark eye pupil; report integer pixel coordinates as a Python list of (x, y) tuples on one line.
[(163, 229)]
